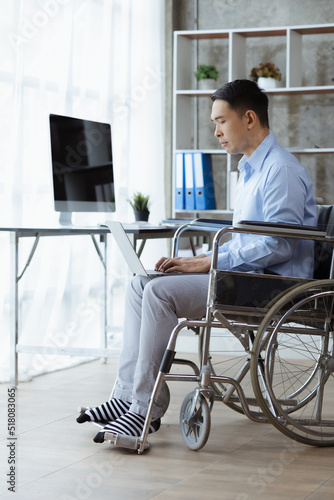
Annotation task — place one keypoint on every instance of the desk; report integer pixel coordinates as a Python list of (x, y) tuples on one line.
[(136, 233)]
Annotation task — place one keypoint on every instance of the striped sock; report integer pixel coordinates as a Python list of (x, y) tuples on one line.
[(130, 424), (107, 412)]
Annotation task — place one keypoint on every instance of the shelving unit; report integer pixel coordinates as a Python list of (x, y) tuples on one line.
[(235, 52)]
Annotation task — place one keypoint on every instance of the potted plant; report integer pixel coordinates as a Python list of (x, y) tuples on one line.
[(206, 75), (140, 204), (266, 75)]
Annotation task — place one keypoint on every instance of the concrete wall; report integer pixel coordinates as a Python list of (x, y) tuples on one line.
[(304, 121)]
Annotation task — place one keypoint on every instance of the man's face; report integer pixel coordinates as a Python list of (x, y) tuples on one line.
[(230, 128)]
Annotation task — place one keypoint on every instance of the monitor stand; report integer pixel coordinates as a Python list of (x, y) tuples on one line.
[(65, 218)]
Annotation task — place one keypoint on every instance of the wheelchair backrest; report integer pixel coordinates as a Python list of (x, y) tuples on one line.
[(322, 250)]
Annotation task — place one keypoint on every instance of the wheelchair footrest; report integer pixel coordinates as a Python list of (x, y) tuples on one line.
[(123, 441)]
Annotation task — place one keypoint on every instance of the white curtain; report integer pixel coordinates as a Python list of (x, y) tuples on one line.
[(101, 60)]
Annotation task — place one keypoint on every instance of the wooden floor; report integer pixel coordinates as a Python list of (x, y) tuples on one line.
[(56, 458)]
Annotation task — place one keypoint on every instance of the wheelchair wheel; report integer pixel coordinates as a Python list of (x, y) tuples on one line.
[(292, 365), (195, 425)]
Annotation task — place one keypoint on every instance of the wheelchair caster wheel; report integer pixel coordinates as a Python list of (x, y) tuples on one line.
[(195, 423)]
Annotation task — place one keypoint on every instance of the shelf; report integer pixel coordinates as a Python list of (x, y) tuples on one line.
[(212, 212), (307, 151), (296, 150), (316, 29), (203, 35), (325, 89), (205, 151), (196, 92)]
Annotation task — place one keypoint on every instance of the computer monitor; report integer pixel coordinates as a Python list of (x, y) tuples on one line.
[(82, 166)]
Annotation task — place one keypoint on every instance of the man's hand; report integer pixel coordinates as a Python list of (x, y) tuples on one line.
[(199, 264)]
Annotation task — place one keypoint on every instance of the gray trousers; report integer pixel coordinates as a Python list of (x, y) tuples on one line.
[(152, 309)]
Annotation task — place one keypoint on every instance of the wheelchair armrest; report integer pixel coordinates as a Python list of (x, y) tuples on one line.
[(205, 225), (281, 228)]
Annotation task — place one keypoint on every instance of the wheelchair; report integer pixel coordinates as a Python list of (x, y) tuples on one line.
[(282, 373)]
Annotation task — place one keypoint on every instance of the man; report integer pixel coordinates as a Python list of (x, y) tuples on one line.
[(272, 187)]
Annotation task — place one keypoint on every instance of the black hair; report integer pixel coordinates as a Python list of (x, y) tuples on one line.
[(244, 95)]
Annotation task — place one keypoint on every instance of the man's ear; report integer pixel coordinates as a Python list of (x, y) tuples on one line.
[(251, 118)]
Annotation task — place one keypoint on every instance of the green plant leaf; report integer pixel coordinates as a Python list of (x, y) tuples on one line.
[(139, 202), (206, 71)]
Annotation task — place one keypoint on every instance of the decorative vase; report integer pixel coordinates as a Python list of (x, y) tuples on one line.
[(207, 84), (267, 83), (141, 215)]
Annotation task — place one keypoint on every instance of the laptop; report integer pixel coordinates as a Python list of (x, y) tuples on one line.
[(128, 252)]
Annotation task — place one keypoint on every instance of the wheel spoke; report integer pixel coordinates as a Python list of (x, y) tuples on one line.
[(297, 340)]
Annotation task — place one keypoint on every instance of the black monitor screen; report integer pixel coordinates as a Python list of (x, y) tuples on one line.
[(82, 166)]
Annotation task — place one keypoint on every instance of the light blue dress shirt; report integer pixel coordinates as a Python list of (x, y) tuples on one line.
[(272, 187)]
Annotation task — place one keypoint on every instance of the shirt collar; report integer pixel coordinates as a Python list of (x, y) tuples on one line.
[(257, 158)]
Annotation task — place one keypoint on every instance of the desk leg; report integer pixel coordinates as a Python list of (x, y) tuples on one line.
[(14, 309), (104, 260), (134, 238), (104, 343)]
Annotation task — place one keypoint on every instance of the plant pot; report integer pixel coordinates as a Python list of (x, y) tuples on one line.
[(207, 84), (267, 83), (141, 215)]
